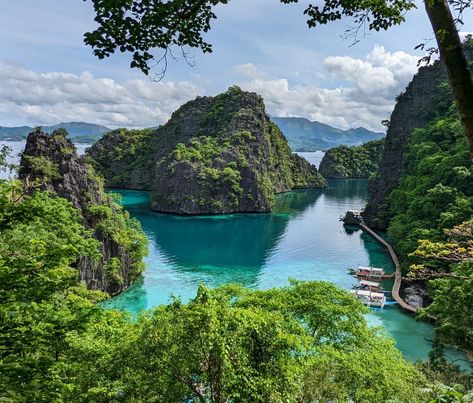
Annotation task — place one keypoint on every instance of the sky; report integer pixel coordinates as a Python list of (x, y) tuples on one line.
[(48, 75)]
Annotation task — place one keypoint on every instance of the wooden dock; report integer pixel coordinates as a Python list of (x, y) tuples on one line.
[(397, 275)]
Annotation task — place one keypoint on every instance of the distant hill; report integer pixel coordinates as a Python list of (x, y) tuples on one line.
[(79, 132), (305, 135)]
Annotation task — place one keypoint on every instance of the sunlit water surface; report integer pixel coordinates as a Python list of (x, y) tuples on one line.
[(301, 239)]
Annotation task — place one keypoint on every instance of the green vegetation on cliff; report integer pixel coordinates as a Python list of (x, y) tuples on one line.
[(436, 190), (450, 264), (41, 300), (215, 155), (50, 163), (358, 162), (121, 150), (435, 194)]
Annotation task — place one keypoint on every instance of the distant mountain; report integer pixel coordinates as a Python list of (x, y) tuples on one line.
[(304, 135), (79, 132)]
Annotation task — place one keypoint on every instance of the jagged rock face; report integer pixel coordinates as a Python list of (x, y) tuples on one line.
[(416, 294), (215, 155), (71, 181), (415, 108), (51, 161)]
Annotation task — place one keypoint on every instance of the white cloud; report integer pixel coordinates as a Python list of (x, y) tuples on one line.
[(29, 97), (248, 70), (364, 95), (381, 72)]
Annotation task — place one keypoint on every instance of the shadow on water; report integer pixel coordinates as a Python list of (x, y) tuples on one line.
[(346, 189), (220, 249), (302, 238), (211, 250)]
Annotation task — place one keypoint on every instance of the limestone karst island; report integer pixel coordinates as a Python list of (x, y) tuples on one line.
[(245, 201)]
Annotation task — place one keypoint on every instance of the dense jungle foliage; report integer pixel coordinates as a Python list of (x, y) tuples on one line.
[(434, 199), (358, 162), (304, 342), (129, 151)]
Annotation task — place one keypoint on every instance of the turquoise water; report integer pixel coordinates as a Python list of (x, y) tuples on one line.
[(302, 238)]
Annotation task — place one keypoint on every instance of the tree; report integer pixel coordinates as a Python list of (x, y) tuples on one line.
[(139, 26), (41, 299), (306, 342), (451, 265), (452, 55)]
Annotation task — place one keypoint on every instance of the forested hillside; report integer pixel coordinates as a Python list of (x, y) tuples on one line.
[(216, 155), (423, 196), (357, 162)]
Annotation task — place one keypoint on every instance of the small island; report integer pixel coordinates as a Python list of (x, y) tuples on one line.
[(216, 155)]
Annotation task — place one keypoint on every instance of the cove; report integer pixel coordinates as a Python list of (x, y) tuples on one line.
[(301, 239)]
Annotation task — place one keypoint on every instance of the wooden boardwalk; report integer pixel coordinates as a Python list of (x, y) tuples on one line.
[(397, 275)]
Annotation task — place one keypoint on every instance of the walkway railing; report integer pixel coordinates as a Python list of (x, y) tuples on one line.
[(397, 276)]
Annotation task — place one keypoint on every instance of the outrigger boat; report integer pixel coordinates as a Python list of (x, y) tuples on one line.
[(369, 273), (370, 298), (368, 285)]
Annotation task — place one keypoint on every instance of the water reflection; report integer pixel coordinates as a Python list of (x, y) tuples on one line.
[(299, 239), (302, 238), (343, 189), (218, 249)]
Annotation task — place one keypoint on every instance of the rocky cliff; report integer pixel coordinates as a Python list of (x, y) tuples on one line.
[(357, 162), (50, 162), (426, 97), (215, 155)]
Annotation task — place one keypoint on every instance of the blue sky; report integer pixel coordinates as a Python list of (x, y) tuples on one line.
[(48, 75)]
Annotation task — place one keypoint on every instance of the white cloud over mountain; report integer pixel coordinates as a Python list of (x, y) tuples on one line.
[(364, 92), (30, 97), (361, 93)]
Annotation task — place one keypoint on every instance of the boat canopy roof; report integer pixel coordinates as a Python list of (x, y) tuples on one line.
[(369, 283), (367, 293), (373, 269)]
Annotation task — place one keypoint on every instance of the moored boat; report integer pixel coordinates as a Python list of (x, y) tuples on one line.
[(369, 272), (368, 285), (370, 298)]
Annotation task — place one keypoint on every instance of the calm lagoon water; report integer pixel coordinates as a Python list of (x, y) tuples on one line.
[(302, 239)]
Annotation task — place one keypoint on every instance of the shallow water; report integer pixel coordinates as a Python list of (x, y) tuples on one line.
[(302, 239)]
